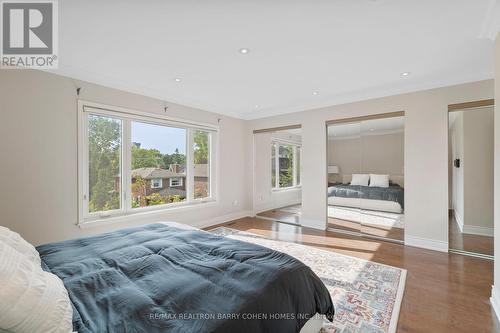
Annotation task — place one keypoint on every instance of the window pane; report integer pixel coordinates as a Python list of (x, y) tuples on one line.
[(299, 151), (285, 166), (158, 158), (201, 151), (273, 165), (105, 142)]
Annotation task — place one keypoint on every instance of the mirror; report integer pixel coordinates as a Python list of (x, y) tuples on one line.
[(278, 188), (470, 168), (366, 177)]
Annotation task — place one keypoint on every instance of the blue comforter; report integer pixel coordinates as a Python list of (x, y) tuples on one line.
[(159, 278), (392, 193)]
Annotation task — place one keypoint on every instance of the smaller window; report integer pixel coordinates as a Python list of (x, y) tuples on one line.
[(175, 182), (157, 183)]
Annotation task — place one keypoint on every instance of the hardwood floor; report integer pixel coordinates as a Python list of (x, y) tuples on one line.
[(467, 242), (368, 229), (288, 214), (444, 292)]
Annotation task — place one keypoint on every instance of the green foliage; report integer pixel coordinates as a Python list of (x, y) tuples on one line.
[(104, 158), (153, 158), (201, 144)]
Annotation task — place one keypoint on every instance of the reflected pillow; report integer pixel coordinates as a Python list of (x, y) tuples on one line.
[(360, 179), (379, 180)]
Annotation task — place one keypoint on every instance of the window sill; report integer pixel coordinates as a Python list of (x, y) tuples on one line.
[(285, 189), (147, 211)]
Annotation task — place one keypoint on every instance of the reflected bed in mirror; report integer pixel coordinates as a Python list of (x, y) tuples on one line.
[(365, 181)]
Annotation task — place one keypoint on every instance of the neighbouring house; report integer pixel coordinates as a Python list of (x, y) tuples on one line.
[(168, 183)]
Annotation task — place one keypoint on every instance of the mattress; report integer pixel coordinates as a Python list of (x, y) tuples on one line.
[(369, 204)]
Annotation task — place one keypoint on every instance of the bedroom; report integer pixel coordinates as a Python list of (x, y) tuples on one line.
[(110, 159)]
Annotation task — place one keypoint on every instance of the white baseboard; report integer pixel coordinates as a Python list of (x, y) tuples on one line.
[(426, 243), (223, 219), (476, 230), (495, 301), (459, 221)]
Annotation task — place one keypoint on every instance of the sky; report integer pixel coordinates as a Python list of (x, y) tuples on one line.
[(165, 139)]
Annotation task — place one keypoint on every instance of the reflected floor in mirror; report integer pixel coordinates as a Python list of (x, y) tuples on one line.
[(468, 242), (287, 214)]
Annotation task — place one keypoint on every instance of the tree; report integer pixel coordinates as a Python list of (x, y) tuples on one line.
[(200, 147), (147, 158), (104, 158)]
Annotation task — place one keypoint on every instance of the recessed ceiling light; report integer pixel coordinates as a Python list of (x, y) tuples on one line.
[(405, 73), (372, 129), (315, 93), (257, 106), (178, 79), (244, 50)]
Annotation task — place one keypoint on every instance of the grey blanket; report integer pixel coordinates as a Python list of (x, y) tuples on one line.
[(158, 278), (392, 193)]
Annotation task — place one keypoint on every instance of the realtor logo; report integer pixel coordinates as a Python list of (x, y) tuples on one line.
[(29, 34)]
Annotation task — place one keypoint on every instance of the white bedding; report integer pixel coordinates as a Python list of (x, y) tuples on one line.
[(370, 204)]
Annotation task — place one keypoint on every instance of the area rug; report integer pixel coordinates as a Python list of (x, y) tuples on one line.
[(367, 296)]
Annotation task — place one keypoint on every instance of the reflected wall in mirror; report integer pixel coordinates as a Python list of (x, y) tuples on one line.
[(470, 166), (366, 177)]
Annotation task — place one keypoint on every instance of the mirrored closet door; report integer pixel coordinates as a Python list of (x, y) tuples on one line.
[(366, 176)]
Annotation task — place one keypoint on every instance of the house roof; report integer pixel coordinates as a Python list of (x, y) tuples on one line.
[(200, 170), (150, 173)]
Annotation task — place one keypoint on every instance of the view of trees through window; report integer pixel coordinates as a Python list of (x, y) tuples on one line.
[(104, 137), (201, 151), (158, 155), (158, 163), (287, 159)]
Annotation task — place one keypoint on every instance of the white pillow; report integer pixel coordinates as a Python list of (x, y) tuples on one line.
[(360, 179), (32, 300), (379, 180), (15, 240)]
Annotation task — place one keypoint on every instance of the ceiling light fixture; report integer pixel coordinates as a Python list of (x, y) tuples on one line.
[(405, 73), (257, 106), (178, 79), (315, 93), (244, 50)]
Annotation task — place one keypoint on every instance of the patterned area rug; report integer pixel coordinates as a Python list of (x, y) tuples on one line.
[(366, 295)]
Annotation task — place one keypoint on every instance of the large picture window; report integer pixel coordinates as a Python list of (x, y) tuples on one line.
[(131, 162), (285, 165)]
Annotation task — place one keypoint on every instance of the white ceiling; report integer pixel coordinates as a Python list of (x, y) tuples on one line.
[(345, 50)]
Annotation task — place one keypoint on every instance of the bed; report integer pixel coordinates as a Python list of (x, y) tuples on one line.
[(167, 277), (388, 199)]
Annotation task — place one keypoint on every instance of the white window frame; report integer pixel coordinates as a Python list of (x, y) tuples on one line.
[(295, 146), (160, 183), (127, 116), (180, 179)]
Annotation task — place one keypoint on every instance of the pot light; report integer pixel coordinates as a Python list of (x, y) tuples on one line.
[(315, 93), (405, 73), (178, 79), (257, 106), (244, 50)]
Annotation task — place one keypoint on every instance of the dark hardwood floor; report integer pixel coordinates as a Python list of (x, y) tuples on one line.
[(444, 292)]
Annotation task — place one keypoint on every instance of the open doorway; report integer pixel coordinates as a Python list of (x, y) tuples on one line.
[(277, 174), (470, 168)]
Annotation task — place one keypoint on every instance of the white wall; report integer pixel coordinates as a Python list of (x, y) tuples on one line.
[(478, 171), (38, 168), (377, 153), (495, 296), (264, 197), (426, 155), (456, 137)]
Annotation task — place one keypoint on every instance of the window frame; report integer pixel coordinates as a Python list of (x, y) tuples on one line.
[(127, 116), (180, 184), (295, 146), (160, 183)]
